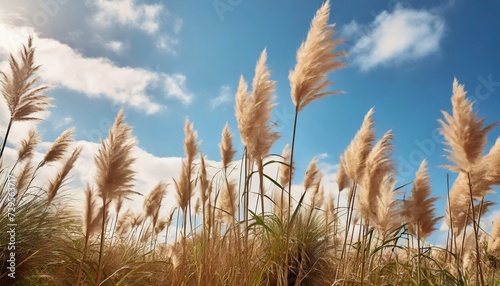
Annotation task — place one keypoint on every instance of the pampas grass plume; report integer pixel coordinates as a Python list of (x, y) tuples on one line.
[(226, 146), (316, 57), (28, 145), (313, 175), (58, 149), (57, 182), (419, 209), (356, 153)]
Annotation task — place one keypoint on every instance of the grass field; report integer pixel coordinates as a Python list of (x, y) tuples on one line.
[(251, 230)]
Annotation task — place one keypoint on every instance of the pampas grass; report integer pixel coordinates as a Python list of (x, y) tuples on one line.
[(313, 175), (58, 181), (378, 166), (253, 113), (27, 147), (115, 175), (226, 147), (223, 241), (463, 131), (466, 137), (152, 203), (58, 149), (419, 208), (316, 57), (352, 168), (23, 98)]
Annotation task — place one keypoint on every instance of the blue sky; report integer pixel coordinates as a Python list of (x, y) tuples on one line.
[(165, 60)]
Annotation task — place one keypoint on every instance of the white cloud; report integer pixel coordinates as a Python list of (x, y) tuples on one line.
[(115, 46), (392, 38), (175, 86), (224, 97), (167, 43), (63, 66), (63, 122), (128, 13), (153, 19)]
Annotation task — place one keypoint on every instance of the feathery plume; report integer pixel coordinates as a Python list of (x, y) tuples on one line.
[(464, 132), (317, 197), (329, 205), (493, 164), (388, 212), (58, 149), (115, 174), (313, 175), (226, 146), (253, 111), (23, 99), (124, 222), (28, 145), (23, 178), (284, 177), (343, 180), (316, 57), (494, 240), (183, 188), (229, 202), (458, 204), (419, 209), (55, 185), (153, 200), (241, 106), (459, 207), (204, 182), (378, 166), (138, 219), (197, 206), (280, 204), (93, 213), (190, 144), (114, 161), (355, 155), (160, 226)]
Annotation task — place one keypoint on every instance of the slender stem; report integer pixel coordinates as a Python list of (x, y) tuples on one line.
[(103, 230), (290, 195), (85, 245), (453, 234), (261, 184), (246, 196), (419, 253), (6, 136), (476, 234), (176, 226)]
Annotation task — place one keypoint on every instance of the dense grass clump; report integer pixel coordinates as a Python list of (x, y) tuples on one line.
[(241, 224)]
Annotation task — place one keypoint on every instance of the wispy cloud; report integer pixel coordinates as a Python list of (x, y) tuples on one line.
[(224, 97), (115, 46), (63, 66), (128, 13), (63, 122), (175, 86), (153, 19), (167, 43), (403, 35)]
